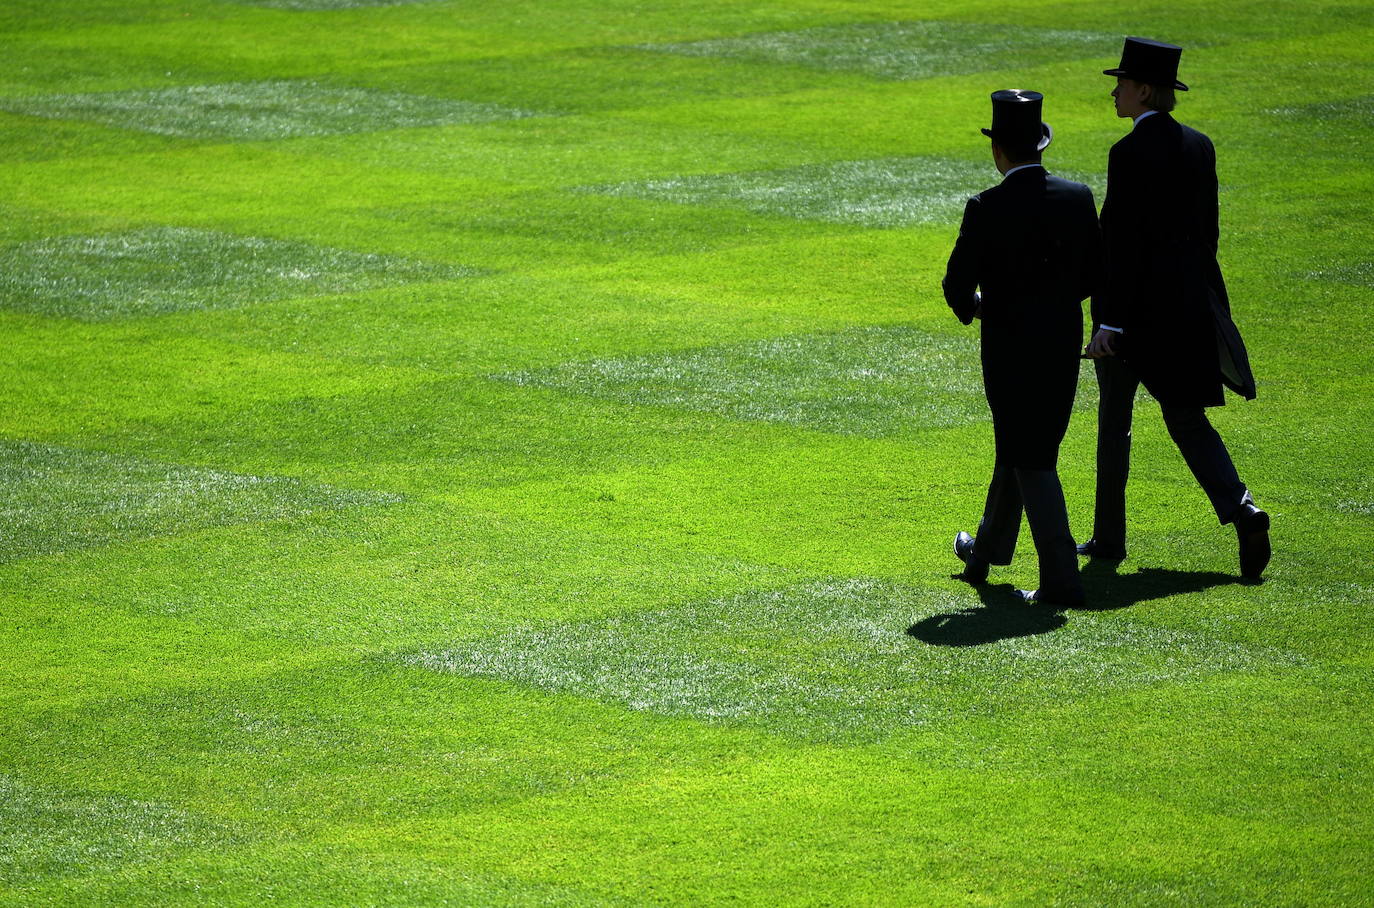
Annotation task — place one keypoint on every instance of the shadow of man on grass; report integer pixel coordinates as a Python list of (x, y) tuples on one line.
[(1004, 615)]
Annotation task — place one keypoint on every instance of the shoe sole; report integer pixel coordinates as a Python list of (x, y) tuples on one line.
[(1030, 597)]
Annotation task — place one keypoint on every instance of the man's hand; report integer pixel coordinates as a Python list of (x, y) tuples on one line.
[(1101, 344)]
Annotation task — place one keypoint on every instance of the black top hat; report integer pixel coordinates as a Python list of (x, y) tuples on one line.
[(1151, 62), (1016, 119)]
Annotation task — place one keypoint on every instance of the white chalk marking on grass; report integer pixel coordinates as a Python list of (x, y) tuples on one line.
[(250, 111)]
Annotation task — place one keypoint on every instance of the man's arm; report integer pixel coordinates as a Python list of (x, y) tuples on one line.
[(1209, 216), (1093, 276), (1120, 218), (1095, 284), (961, 274)]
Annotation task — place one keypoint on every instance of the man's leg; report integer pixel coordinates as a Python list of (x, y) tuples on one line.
[(1049, 522), (1210, 462), (1208, 458), (997, 531), (1117, 384)]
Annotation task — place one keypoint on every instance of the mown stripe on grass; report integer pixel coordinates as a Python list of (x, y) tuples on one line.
[(312, 5), (58, 499), (884, 192), (169, 269), (1361, 274), (906, 50), (48, 834), (879, 192), (852, 658), (1351, 109), (872, 381), (249, 111)]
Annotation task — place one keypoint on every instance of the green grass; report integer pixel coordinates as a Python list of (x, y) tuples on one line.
[(257, 110), (875, 193), (166, 269), (904, 50), (507, 454), (60, 499), (869, 381)]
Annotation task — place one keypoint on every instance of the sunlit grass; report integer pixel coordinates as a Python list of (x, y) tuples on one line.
[(848, 658), (871, 381), (906, 50), (485, 453), (258, 110), (54, 499), (167, 269)]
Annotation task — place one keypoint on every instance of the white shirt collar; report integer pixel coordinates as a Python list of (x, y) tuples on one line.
[(1148, 113), (1020, 167)]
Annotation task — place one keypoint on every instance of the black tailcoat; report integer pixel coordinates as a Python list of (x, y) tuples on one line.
[(1033, 246), (1164, 286)]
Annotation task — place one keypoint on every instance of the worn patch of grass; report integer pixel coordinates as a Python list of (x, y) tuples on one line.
[(850, 656), (255, 111), (870, 381), (329, 4), (57, 499), (905, 50), (880, 193), (48, 835), (166, 269)]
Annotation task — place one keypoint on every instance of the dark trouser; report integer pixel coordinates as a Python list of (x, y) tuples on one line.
[(1042, 497), (1199, 443)]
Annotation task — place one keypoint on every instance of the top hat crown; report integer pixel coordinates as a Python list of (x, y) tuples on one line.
[(1151, 62), (1016, 119)]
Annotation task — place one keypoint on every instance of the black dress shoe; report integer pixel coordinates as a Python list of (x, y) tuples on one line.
[(975, 568), (1094, 549), (1252, 530), (1043, 597)]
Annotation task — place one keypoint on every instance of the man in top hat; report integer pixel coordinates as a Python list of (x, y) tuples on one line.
[(1028, 253), (1164, 318)]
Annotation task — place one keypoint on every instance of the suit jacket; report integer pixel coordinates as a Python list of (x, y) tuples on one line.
[(1164, 286), (1033, 246)]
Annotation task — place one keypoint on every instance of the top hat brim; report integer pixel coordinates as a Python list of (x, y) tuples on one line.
[(1121, 73), (1046, 136)]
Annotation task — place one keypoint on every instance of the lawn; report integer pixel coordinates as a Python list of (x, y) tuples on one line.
[(458, 452)]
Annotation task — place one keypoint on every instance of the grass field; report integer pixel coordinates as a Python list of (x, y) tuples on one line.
[(507, 453)]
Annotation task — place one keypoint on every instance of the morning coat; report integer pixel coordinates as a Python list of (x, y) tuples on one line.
[(1164, 287), (1032, 245)]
